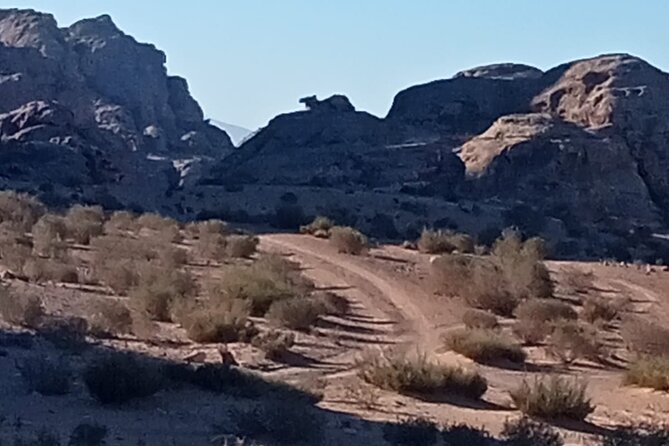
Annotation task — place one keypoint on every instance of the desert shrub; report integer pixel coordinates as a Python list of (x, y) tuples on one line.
[(65, 332), (158, 289), (553, 398), (652, 372), (527, 432), (226, 321), (241, 245), (545, 310), (42, 270), (274, 344), (596, 309), (20, 209), (88, 434), (645, 337), (211, 246), (120, 221), (532, 332), (118, 378), (169, 234), (84, 223), (262, 283), (571, 341), (171, 257), (15, 251), (213, 226), (110, 318), (45, 376), (319, 225), (417, 375), (26, 311), (156, 222), (462, 434), (120, 275), (637, 435), (276, 421), (484, 346), (348, 240), (297, 313), (440, 242), (49, 234), (479, 319), (332, 303), (578, 281), (520, 264), (411, 432)]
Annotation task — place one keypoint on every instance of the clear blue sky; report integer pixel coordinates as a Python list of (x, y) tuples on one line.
[(248, 60)]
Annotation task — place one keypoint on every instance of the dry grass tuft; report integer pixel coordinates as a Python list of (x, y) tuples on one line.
[(652, 372), (479, 319), (553, 398), (484, 346), (297, 313), (645, 337), (110, 318), (418, 376), (599, 309), (84, 222), (348, 240), (274, 344), (571, 341)]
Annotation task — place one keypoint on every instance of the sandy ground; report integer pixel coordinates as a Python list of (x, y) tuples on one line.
[(391, 306)]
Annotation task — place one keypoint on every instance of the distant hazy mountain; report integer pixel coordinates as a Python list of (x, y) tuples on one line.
[(237, 133)]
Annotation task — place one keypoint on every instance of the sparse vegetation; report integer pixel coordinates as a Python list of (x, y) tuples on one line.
[(418, 376), (440, 242), (571, 341), (49, 234), (274, 344), (159, 289), (20, 310), (479, 319), (319, 227), (45, 376), (241, 245), (652, 372), (598, 309), (20, 210), (645, 337), (348, 240), (110, 318), (638, 435), (226, 321), (484, 346), (528, 432), (536, 318), (84, 223), (411, 432), (462, 434), (119, 378), (297, 313), (553, 398)]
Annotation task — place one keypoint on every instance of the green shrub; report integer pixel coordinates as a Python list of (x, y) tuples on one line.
[(411, 432), (45, 376), (553, 398), (527, 432), (348, 240), (484, 346), (479, 319), (119, 378), (652, 372), (419, 376), (297, 313)]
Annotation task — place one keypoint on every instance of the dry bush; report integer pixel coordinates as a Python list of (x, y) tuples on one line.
[(19, 209), (553, 398), (26, 311), (332, 304), (479, 319), (119, 378), (417, 375), (598, 309), (15, 251), (440, 242), (159, 288), (84, 223), (297, 313), (484, 346), (117, 261), (168, 234), (45, 376), (262, 283), (43, 270), (545, 310), (119, 222), (652, 372), (532, 332), (645, 337), (65, 332), (527, 432), (570, 341), (197, 229), (155, 222), (171, 256), (274, 344), (226, 321), (49, 235), (579, 281), (110, 318), (452, 274), (241, 246), (348, 240), (119, 275), (320, 225), (211, 247)]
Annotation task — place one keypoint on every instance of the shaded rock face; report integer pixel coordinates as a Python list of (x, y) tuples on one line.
[(97, 92)]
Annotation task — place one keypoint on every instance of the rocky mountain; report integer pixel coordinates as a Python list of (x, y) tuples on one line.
[(88, 113), (578, 154)]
